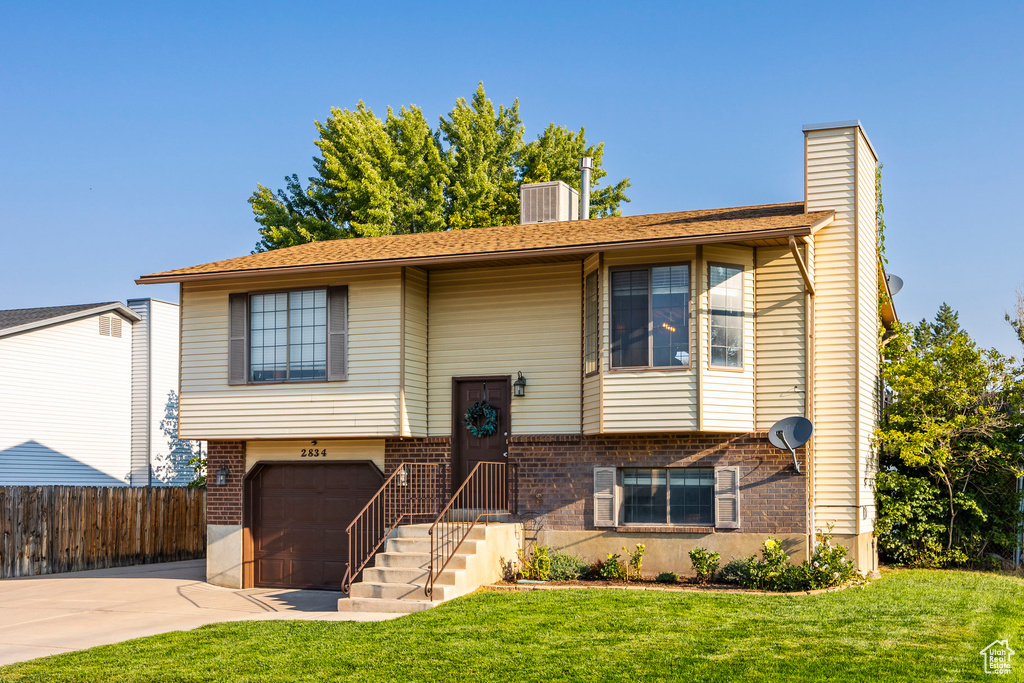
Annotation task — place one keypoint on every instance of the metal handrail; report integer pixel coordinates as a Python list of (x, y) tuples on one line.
[(413, 492), (487, 492)]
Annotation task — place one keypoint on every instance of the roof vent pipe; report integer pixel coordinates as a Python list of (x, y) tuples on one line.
[(586, 164)]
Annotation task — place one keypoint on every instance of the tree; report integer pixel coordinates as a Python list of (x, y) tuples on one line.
[(1016, 319), (952, 436), (397, 175)]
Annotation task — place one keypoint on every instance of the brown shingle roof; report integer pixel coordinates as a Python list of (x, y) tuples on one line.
[(743, 223)]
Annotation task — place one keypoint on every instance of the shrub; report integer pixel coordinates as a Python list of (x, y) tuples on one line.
[(566, 567), (668, 577), (829, 566), (612, 568), (705, 564), (537, 565), (636, 560), (736, 571)]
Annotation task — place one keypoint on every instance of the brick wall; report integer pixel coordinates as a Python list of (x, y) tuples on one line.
[(556, 475), (224, 503), (556, 479)]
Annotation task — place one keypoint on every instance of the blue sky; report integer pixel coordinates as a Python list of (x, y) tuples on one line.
[(131, 134)]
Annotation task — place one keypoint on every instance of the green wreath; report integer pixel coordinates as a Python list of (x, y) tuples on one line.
[(481, 409)]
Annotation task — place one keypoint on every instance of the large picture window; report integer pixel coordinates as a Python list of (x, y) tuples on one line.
[(669, 496), (651, 317), (288, 336), (726, 324)]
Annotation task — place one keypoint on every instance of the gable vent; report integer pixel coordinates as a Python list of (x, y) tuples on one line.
[(110, 326)]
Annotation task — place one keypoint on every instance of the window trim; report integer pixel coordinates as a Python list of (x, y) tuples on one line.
[(650, 319), (743, 312), (597, 350), (248, 334)]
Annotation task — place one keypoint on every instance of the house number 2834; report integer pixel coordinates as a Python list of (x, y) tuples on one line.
[(314, 453)]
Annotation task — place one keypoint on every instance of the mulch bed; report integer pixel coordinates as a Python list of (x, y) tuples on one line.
[(649, 585)]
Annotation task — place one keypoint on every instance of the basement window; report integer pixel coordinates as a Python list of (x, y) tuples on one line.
[(683, 496)]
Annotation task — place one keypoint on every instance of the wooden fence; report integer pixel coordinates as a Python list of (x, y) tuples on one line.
[(53, 529)]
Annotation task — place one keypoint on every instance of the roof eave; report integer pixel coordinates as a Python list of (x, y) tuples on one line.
[(68, 317), (774, 233)]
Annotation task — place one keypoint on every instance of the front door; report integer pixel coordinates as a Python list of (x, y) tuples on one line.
[(467, 449)]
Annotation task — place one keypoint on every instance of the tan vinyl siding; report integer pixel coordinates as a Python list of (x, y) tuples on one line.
[(366, 404), (868, 337), (592, 384), (781, 360), (727, 395), (831, 185), (65, 405), (337, 450), (415, 358), (502, 320), (649, 400)]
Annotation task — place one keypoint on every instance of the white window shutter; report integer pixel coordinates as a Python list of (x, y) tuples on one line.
[(727, 497), (337, 333), (238, 328), (605, 489)]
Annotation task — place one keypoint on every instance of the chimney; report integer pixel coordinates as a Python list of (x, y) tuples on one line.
[(586, 164), (547, 202)]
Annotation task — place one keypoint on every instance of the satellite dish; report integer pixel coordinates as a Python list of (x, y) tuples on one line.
[(789, 434), (895, 283)]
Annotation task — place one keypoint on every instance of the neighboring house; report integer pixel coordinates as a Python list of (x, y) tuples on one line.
[(656, 352), (88, 394)]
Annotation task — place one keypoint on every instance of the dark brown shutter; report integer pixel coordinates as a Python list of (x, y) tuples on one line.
[(238, 337), (727, 497), (337, 333)]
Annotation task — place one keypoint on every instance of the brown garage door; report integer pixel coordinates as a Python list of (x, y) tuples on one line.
[(299, 513)]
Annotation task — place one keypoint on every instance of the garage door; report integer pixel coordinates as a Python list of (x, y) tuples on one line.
[(299, 514)]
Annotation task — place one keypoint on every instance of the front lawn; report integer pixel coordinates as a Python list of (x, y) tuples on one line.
[(910, 626)]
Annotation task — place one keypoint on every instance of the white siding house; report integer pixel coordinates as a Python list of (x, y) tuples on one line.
[(74, 382)]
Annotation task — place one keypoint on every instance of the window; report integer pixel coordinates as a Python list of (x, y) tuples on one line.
[(288, 336), (669, 496), (726, 323), (591, 324), (651, 317)]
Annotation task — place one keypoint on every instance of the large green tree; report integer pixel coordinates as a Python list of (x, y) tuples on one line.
[(950, 445), (397, 175)]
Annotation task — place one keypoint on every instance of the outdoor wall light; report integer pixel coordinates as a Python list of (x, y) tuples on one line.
[(403, 477), (222, 477), (519, 386)]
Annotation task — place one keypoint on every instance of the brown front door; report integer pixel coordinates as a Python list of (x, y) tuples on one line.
[(468, 450), (298, 516)]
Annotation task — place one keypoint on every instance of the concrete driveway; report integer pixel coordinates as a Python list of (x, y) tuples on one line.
[(45, 615)]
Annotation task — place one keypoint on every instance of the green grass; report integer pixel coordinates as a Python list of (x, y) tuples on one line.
[(917, 626)]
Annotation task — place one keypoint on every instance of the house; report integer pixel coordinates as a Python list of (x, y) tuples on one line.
[(83, 394), (618, 375)]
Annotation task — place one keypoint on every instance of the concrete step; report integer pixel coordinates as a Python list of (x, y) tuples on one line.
[(417, 544), (400, 591), (376, 605), (477, 533), (416, 560), (410, 575)]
